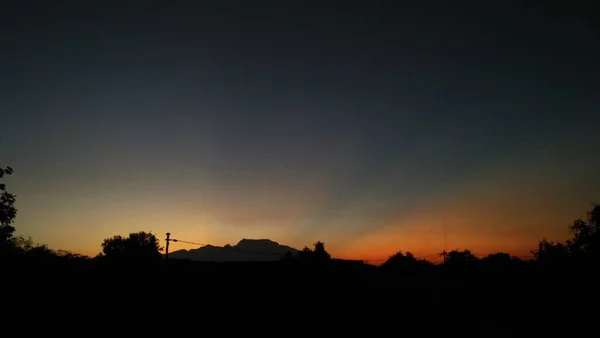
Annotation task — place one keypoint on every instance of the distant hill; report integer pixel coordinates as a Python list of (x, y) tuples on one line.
[(244, 251)]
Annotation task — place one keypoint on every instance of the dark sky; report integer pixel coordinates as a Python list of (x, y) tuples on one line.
[(348, 123)]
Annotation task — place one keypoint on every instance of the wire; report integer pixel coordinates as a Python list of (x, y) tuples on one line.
[(180, 241)]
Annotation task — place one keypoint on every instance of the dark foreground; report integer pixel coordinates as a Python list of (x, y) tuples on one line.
[(272, 299)]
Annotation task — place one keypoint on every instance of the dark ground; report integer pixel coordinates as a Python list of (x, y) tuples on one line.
[(270, 299)]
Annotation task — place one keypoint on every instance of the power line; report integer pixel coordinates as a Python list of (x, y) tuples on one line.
[(194, 243)]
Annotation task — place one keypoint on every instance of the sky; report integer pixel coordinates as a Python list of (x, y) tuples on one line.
[(371, 126)]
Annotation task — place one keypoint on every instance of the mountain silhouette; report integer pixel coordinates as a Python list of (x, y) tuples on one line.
[(244, 251)]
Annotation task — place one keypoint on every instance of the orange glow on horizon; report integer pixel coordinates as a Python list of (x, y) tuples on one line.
[(501, 209)]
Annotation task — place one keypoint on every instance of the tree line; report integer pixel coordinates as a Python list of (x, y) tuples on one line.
[(582, 249)]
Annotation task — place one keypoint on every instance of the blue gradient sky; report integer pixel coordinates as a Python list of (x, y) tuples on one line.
[(363, 127)]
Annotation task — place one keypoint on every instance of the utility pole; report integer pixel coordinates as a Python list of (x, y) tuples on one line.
[(444, 253), (167, 246), (445, 242)]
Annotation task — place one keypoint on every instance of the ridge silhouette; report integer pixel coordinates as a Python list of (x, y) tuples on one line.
[(244, 250)]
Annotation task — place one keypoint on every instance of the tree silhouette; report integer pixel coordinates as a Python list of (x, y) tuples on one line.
[(318, 254), (401, 262), (586, 237), (137, 246), (501, 262), (551, 252), (499, 258), (460, 259), (584, 246), (8, 212)]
